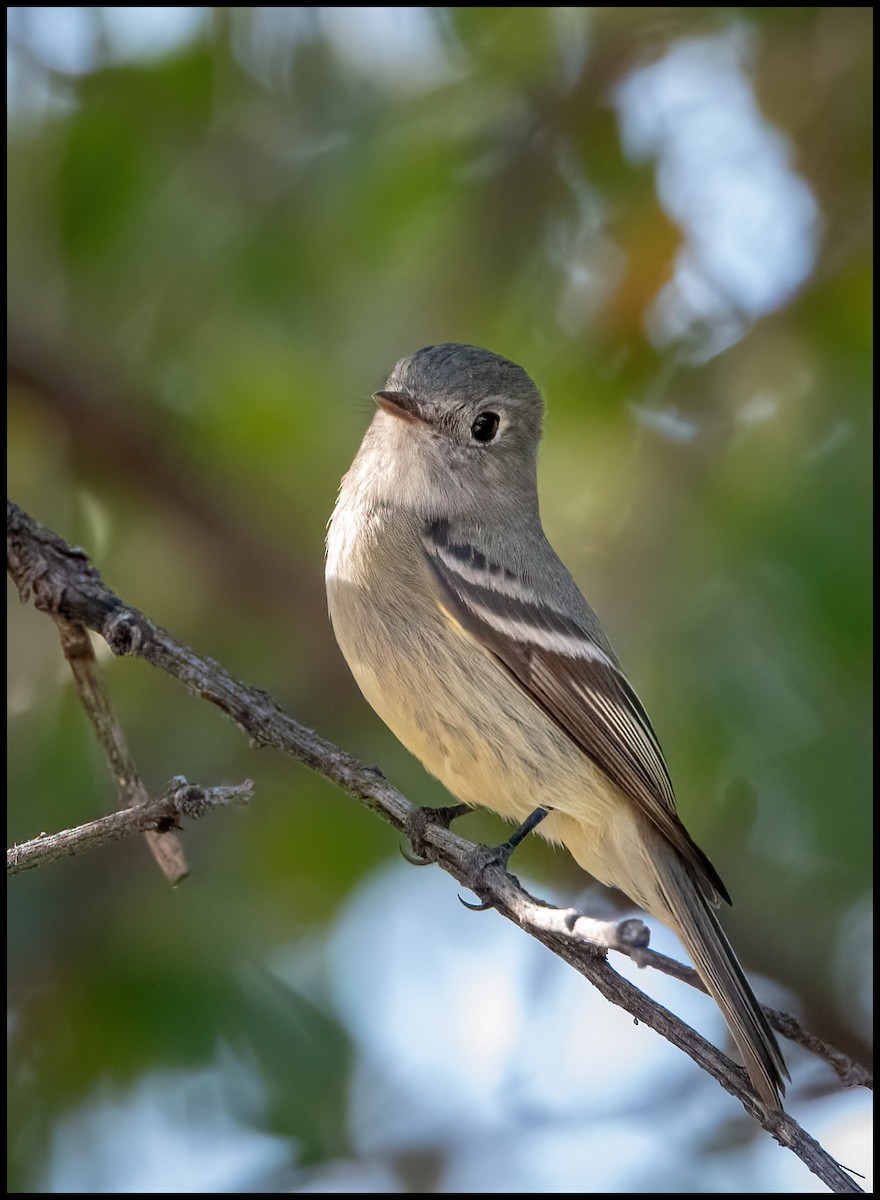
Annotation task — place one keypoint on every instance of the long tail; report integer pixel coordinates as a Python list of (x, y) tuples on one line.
[(718, 967)]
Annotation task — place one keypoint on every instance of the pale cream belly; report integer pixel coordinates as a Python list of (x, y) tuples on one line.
[(473, 728), (512, 763)]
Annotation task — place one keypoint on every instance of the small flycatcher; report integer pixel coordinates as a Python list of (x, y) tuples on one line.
[(472, 642)]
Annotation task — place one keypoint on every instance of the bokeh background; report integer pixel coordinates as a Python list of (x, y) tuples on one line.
[(225, 226)]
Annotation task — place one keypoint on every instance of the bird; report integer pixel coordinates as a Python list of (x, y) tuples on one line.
[(473, 643)]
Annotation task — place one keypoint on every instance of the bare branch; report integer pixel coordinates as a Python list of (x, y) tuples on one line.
[(63, 583), (850, 1073), (157, 816), (165, 847)]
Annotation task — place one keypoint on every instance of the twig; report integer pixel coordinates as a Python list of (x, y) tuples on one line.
[(850, 1073), (165, 847), (62, 582), (158, 816)]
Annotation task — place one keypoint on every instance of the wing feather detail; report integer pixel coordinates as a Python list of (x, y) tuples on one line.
[(563, 670)]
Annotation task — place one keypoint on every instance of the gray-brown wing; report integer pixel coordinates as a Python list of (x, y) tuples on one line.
[(567, 674)]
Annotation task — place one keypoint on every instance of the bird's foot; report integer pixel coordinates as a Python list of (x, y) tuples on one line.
[(416, 827), (499, 856)]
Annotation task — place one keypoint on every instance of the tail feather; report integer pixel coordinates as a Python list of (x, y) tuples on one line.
[(719, 969)]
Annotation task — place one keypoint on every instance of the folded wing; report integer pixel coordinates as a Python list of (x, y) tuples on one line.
[(556, 662)]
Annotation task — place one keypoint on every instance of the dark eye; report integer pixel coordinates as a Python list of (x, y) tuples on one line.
[(485, 426)]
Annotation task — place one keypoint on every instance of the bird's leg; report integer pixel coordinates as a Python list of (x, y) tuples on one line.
[(500, 855), (519, 834), (420, 818), (418, 821)]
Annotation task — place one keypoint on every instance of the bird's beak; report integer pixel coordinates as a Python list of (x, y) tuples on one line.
[(399, 404)]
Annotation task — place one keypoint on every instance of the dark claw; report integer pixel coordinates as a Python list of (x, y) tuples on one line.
[(414, 860), (483, 906)]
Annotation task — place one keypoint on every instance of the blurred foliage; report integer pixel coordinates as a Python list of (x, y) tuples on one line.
[(216, 251)]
